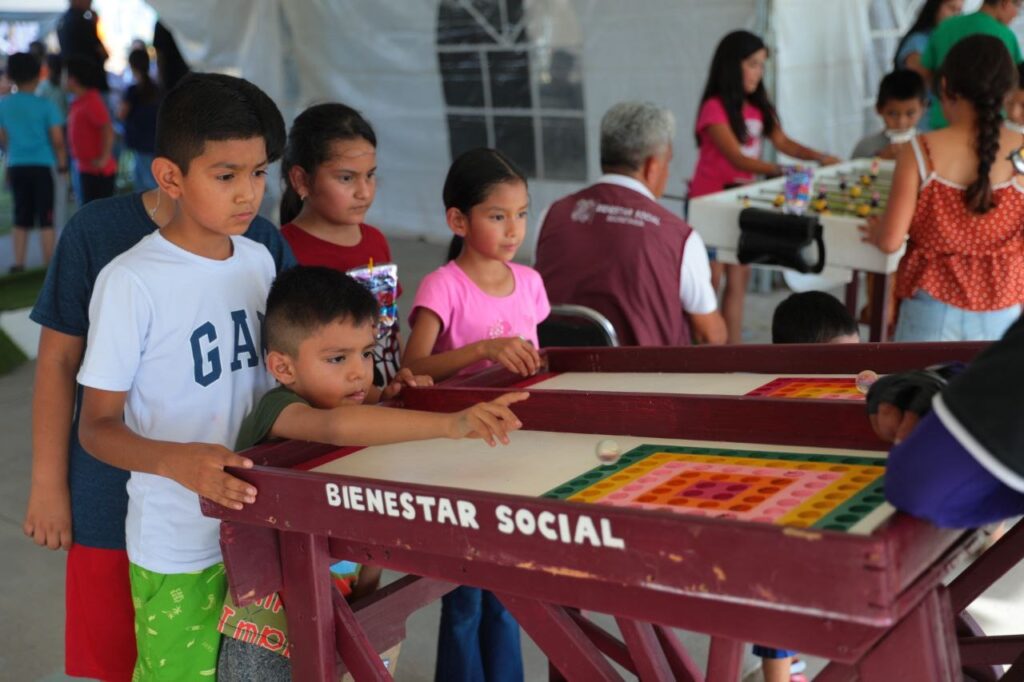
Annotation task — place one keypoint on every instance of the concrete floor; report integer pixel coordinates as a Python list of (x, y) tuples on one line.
[(32, 579)]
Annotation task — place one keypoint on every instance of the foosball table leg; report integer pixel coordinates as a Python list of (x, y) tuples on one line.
[(881, 305), (853, 293)]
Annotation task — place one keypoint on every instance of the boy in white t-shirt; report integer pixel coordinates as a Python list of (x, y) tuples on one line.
[(173, 363)]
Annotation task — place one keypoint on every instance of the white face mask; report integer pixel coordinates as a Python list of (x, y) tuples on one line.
[(1014, 127), (901, 136)]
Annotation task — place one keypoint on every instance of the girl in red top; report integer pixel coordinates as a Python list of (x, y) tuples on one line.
[(735, 117), (957, 197), (90, 131), (330, 171)]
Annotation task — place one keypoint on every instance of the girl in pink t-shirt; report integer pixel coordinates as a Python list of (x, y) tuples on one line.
[(477, 309), (735, 117)]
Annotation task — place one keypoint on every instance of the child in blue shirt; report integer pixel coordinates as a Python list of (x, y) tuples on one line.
[(31, 134)]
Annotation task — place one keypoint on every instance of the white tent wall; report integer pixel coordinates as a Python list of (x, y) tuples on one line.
[(820, 67), (382, 58)]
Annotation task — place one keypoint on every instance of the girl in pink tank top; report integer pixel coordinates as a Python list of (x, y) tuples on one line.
[(962, 277)]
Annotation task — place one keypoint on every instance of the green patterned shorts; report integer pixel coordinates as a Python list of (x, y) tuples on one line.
[(176, 623)]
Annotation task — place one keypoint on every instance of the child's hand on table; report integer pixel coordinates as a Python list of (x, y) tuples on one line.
[(201, 470), (491, 421), (898, 401), (405, 377), (514, 353), (869, 231)]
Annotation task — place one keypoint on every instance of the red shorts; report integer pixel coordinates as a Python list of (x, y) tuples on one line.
[(99, 631)]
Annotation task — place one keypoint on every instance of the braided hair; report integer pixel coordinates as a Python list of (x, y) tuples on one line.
[(980, 70)]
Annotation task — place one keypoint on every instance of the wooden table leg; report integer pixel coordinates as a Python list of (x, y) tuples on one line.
[(309, 605), (357, 653), (725, 659), (679, 658), (645, 650), (1016, 671), (920, 648), (982, 656), (606, 643), (561, 639), (992, 565)]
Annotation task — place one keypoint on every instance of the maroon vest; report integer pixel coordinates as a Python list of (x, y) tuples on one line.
[(612, 249)]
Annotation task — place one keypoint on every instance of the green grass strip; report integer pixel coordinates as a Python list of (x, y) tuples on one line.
[(20, 290), (10, 355)]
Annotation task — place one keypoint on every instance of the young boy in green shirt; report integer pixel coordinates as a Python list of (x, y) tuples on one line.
[(320, 332), (992, 19)]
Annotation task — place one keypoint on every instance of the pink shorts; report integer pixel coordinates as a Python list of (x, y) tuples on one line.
[(99, 631)]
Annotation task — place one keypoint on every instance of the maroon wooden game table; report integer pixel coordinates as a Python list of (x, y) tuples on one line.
[(874, 603)]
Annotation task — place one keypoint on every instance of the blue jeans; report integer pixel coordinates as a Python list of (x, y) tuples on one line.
[(479, 639), (925, 318), (142, 175)]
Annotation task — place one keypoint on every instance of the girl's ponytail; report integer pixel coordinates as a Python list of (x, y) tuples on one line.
[(291, 204), (454, 248), (989, 124), (979, 69)]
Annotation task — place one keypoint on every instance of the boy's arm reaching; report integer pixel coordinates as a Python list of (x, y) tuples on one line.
[(48, 516), (197, 466), (371, 425)]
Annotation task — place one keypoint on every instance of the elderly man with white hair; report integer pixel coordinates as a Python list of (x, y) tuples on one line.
[(612, 247)]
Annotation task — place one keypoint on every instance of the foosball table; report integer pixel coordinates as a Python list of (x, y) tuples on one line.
[(840, 199)]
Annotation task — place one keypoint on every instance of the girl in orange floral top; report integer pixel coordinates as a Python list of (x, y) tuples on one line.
[(957, 202)]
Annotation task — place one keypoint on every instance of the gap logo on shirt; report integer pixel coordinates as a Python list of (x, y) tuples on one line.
[(207, 345)]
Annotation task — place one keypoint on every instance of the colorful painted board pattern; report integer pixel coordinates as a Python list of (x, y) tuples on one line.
[(814, 388), (833, 492)]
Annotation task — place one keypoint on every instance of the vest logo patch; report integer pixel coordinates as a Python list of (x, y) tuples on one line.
[(584, 210)]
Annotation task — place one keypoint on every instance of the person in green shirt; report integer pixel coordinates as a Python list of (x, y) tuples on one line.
[(992, 19), (320, 330)]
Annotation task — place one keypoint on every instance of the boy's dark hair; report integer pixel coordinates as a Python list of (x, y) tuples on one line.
[(901, 85), (725, 80), (213, 107), (811, 317), (979, 69), (471, 178), (309, 145), (305, 298), (86, 70), (1020, 76), (22, 68)]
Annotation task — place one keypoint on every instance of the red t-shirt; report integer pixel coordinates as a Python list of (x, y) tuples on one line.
[(714, 172), (311, 250), (86, 119)]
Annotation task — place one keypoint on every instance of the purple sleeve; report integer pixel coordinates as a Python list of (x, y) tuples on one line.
[(930, 475)]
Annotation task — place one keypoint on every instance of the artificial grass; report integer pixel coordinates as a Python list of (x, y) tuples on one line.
[(17, 291), (21, 290), (10, 355)]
